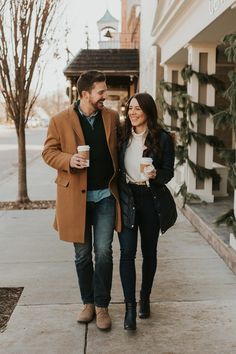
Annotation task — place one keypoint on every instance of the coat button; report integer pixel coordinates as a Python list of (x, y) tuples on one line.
[(133, 208), (83, 191), (132, 226)]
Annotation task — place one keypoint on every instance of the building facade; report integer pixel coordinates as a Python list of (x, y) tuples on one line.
[(130, 23), (148, 52), (189, 32), (117, 56)]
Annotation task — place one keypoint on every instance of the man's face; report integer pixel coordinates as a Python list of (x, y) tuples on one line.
[(97, 96)]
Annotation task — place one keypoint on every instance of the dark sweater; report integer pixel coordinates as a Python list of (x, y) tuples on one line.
[(101, 169)]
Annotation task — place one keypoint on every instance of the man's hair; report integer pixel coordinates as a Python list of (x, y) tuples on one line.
[(87, 79)]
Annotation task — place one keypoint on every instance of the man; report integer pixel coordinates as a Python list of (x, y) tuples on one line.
[(87, 197)]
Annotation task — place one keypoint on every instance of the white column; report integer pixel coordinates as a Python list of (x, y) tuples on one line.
[(194, 51), (179, 176)]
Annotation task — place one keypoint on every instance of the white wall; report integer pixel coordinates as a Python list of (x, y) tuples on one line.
[(184, 21), (147, 81)]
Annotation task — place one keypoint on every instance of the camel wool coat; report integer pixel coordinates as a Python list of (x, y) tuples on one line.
[(63, 137)]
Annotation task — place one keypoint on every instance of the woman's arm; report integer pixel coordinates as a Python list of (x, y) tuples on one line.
[(165, 171)]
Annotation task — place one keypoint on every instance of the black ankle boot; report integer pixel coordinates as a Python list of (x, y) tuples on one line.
[(144, 308), (130, 316)]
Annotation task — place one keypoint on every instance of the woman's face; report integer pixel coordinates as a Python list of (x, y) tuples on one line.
[(137, 117)]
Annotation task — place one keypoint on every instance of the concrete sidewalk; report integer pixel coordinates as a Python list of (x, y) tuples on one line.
[(193, 300)]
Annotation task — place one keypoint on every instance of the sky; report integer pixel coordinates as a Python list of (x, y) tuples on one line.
[(77, 14)]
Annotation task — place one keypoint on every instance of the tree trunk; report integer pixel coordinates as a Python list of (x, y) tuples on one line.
[(22, 175)]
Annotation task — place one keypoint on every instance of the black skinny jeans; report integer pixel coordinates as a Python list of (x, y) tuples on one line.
[(147, 220)]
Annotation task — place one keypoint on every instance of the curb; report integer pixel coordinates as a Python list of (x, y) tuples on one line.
[(222, 249)]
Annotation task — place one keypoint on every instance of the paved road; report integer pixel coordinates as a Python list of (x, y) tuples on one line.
[(8, 147)]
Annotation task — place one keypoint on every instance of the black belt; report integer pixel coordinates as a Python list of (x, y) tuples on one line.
[(141, 183)]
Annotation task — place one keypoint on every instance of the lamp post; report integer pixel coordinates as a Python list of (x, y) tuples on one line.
[(74, 93)]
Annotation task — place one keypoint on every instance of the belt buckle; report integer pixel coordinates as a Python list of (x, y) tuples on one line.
[(141, 183)]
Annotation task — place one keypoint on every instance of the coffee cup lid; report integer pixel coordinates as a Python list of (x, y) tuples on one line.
[(83, 147), (146, 159)]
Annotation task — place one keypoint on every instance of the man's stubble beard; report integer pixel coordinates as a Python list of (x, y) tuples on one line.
[(98, 105)]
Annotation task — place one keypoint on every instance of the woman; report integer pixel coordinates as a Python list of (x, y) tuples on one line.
[(146, 202)]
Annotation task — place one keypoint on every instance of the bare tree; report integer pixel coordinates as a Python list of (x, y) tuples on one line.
[(2, 3), (25, 28)]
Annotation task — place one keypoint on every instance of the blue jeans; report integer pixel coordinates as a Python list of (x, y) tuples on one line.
[(95, 278), (147, 220)]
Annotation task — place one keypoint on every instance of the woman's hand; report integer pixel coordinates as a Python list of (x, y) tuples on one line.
[(150, 172), (78, 161)]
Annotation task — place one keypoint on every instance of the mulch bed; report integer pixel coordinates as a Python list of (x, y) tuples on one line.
[(36, 204), (8, 300)]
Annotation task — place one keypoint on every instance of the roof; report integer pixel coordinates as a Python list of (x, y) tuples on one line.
[(114, 62), (107, 17)]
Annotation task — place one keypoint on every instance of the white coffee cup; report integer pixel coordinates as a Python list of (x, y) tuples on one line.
[(83, 151), (145, 162)]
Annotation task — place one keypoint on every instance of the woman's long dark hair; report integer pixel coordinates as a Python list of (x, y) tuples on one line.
[(148, 106)]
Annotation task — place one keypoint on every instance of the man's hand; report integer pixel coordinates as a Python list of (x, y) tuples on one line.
[(77, 161)]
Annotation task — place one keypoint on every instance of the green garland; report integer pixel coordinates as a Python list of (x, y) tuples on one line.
[(229, 157), (204, 109), (181, 154), (183, 108), (187, 72), (230, 41), (223, 120), (203, 172), (229, 219), (227, 119), (230, 94), (201, 138), (187, 197), (172, 111), (171, 86)]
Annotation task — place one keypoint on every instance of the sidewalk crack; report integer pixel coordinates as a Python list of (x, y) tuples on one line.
[(85, 338)]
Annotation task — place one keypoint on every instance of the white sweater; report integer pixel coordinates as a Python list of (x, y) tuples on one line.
[(133, 155)]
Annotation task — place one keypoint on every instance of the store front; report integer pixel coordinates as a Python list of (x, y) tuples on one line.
[(191, 33)]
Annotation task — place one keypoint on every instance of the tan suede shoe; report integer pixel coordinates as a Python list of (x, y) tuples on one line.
[(87, 314), (103, 320)]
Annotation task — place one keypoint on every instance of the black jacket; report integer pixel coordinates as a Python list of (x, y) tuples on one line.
[(163, 200)]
